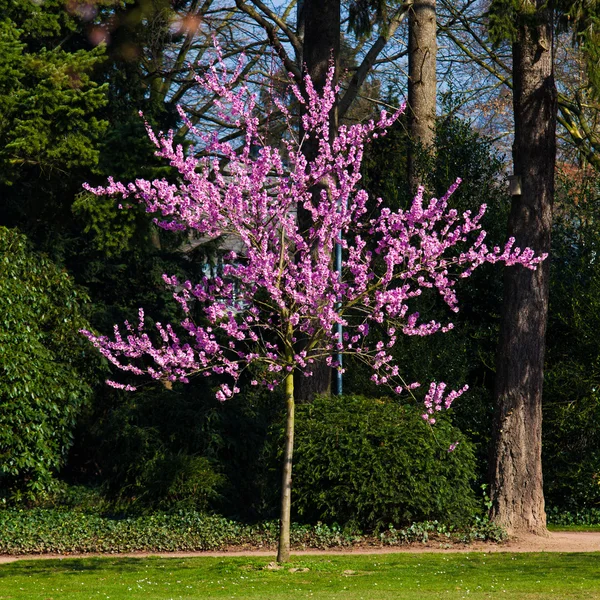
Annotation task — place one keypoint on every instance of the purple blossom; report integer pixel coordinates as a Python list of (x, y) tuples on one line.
[(254, 198)]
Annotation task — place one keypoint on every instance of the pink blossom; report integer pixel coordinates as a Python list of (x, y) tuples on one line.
[(253, 196)]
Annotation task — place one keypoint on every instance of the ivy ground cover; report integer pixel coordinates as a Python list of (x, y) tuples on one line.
[(477, 576)]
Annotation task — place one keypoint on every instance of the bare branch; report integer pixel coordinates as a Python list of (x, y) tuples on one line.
[(271, 32), (369, 60)]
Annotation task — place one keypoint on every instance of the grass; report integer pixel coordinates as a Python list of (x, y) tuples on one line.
[(369, 577)]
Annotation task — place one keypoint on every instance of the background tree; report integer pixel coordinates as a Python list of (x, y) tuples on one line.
[(517, 482), (422, 82), (320, 51), (50, 127)]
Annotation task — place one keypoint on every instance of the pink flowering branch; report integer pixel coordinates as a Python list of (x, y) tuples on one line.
[(283, 286)]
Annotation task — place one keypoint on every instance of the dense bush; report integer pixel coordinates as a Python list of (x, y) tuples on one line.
[(45, 368), (571, 448), (185, 450), (147, 451), (369, 462), (159, 449)]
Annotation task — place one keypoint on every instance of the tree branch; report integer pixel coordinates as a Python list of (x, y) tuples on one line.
[(270, 30), (363, 70)]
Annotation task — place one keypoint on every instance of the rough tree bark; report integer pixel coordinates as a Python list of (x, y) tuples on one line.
[(422, 59), (321, 45), (516, 467)]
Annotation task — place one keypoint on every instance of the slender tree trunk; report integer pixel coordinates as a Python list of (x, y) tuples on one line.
[(283, 552), (516, 468), (321, 46), (422, 58)]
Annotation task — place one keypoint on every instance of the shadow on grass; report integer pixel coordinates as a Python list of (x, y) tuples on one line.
[(74, 566)]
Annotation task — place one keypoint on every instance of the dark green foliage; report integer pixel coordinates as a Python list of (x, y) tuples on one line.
[(46, 368), (69, 115), (50, 126), (371, 462), (507, 17), (159, 448), (182, 449), (571, 452), (362, 14), (582, 18), (43, 24), (43, 530), (581, 517), (48, 97), (150, 449), (48, 116), (480, 530), (466, 354), (67, 531)]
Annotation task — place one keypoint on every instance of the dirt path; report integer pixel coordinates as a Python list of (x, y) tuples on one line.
[(558, 541)]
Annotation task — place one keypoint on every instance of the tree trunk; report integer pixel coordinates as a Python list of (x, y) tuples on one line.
[(422, 55), (321, 38), (516, 468), (321, 46), (283, 552)]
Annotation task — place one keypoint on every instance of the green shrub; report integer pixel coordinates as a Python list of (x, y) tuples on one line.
[(480, 530), (369, 462), (45, 368), (43, 530)]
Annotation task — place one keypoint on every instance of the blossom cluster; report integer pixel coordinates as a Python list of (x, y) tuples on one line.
[(282, 288)]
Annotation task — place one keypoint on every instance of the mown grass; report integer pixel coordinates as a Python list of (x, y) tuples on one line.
[(369, 577)]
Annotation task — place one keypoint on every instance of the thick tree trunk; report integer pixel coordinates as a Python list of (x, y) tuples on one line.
[(321, 46), (321, 38), (516, 468), (283, 552), (422, 58)]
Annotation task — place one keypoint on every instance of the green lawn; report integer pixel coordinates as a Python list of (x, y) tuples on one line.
[(371, 577)]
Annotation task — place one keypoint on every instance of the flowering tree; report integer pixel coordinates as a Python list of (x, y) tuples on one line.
[(283, 287)]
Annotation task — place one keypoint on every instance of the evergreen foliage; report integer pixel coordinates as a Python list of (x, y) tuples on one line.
[(571, 451), (370, 463), (466, 354), (50, 128), (45, 369)]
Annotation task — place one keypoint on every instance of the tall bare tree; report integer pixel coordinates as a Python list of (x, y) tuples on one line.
[(422, 83), (517, 484), (320, 23)]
